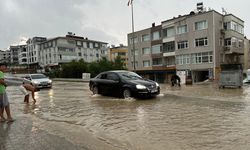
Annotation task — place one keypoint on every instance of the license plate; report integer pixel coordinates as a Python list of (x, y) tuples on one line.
[(153, 91)]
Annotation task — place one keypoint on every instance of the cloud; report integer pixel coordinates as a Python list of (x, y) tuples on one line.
[(106, 20)]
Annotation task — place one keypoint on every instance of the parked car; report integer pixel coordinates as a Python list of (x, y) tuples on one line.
[(38, 80), (124, 84)]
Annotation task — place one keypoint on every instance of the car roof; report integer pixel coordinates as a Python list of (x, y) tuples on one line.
[(36, 74), (118, 71)]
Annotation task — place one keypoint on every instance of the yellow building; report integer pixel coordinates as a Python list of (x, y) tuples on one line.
[(121, 51)]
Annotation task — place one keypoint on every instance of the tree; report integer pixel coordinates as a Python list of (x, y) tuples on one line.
[(74, 69)]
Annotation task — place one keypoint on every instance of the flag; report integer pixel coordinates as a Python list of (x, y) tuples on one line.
[(130, 2)]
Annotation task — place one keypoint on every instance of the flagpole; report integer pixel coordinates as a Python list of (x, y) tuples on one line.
[(132, 11)]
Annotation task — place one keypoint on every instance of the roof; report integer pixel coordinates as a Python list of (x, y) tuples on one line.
[(73, 38)]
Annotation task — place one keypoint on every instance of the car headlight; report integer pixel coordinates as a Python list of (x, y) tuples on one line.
[(35, 82), (157, 84), (140, 87), (50, 81)]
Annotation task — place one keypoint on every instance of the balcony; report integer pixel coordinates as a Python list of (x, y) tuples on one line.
[(168, 54), (233, 50)]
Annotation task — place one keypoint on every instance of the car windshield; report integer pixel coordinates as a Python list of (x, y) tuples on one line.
[(129, 76), (38, 76)]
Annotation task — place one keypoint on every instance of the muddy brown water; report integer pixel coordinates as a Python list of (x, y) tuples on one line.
[(198, 117)]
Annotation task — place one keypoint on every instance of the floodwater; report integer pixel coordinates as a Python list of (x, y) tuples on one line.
[(201, 117)]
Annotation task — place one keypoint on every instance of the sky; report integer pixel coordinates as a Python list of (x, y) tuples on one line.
[(102, 20)]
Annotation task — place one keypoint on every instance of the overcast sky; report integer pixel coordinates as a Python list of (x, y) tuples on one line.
[(104, 20)]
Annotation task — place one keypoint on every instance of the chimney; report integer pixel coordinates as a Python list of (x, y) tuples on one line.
[(153, 24)]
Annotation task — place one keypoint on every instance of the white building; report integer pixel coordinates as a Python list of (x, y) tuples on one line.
[(61, 50)]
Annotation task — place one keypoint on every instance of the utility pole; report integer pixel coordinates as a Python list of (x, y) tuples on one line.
[(130, 2)]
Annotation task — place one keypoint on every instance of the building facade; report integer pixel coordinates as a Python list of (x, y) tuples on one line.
[(59, 50), (5, 56), (33, 51), (193, 45), (121, 51), (246, 54), (14, 55), (22, 55)]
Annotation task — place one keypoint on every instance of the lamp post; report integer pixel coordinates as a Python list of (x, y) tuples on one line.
[(130, 2)]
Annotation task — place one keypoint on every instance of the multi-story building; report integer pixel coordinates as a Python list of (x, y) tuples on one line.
[(246, 54), (22, 55), (5, 56), (14, 54), (59, 50), (121, 51), (195, 45), (33, 51)]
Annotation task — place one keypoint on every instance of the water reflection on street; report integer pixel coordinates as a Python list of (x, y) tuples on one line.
[(191, 117)]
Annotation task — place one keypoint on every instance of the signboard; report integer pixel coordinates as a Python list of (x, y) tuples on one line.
[(182, 75), (86, 76)]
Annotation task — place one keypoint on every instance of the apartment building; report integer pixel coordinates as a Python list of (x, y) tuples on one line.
[(14, 54), (59, 50), (246, 54), (192, 45), (121, 51), (22, 55), (33, 51), (5, 56)]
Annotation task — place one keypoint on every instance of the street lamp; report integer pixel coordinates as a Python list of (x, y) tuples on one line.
[(130, 2)]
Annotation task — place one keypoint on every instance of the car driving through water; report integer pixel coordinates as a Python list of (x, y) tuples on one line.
[(124, 84)]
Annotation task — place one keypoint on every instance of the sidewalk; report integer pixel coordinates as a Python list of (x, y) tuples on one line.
[(22, 135)]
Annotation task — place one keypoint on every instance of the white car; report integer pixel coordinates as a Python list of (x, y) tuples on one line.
[(38, 80)]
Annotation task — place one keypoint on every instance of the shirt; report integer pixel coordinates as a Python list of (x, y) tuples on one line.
[(2, 87)]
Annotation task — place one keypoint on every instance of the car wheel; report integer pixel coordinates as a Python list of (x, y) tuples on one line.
[(126, 93), (95, 90)]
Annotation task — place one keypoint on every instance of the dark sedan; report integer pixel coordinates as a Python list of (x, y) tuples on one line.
[(123, 84)]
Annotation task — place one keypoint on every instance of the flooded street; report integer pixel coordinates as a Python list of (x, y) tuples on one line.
[(191, 117)]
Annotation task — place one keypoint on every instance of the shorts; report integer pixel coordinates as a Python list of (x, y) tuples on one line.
[(4, 100), (23, 90)]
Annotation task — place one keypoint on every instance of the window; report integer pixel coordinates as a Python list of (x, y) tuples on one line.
[(135, 40), (96, 44), (157, 62), (227, 25), (181, 29), (234, 26), (145, 37), (146, 51), (169, 46), (136, 52), (183, 59), (201, 25), (241, 44), (112, 76), (201, 42), (84, 44), (78, 43), (228, 42), (205, 57), (156, 49), (146, 63), (182, 44), (90, 45), (79, 54), (156, 35), (179, 60), (234, 42), (169, 32)]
